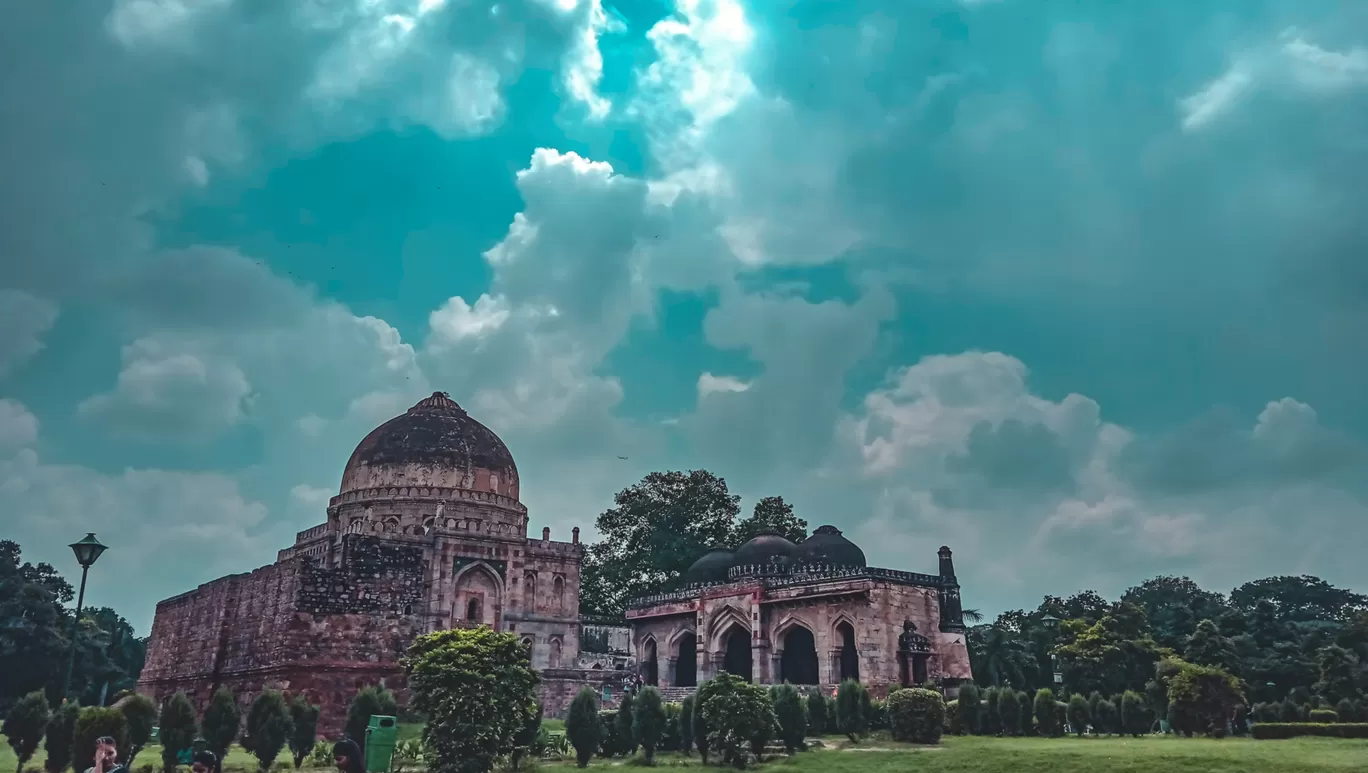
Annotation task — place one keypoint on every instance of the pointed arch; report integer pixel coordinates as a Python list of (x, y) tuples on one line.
[(841, 617), (788, 622), (723, 620), (479, 592), (673, 642)]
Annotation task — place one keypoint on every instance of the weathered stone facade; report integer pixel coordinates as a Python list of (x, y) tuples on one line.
[(426, 534), (793, 620)]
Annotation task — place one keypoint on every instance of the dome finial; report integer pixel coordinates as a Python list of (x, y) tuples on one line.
[(439, 402)]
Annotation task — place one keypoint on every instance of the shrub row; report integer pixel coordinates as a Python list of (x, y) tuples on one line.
[(1269, 731)]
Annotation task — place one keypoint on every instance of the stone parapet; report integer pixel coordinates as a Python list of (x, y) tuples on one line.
[(428, 494)]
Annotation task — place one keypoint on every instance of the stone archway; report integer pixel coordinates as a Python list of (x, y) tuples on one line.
[(478, 595), (798, 664), (848, 657), (736, 658), (686, 660), (650, 663)]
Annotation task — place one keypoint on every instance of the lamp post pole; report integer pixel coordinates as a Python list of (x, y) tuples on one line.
[(87, 551)]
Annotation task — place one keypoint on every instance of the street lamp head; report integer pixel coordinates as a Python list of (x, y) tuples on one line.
[(1049, 620), (88, 550)]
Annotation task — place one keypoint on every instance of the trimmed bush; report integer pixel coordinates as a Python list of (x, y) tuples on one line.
[(1107, 718), (610, 743), (1347, 711), (991, 723), (627, 741), (1061, 719), (1044, 711), (952, 718), (60, 730), (970, 709), (25, 724), (221, 722), (648, 721), (268, 728), (141, 715), (1027, 726), (1269, 731), (819, 720), (916, 716), (1078, 714), (699, 724), (850, 716), (96, 722), (582, 725), (740, 718), (686, 728), (1322, 716), (304, 718), (1136, 715), (792, 716), (1009, 711), (368, 701), (176, 731)]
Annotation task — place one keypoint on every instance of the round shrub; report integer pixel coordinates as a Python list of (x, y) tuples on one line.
[(916, 715), (1323, 716)]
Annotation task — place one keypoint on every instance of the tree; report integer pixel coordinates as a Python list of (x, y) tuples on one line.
[(686, 718), (61, 730), (1338, 672), (850, 718), (1173, 605), (1009, 709), (654, 531), (477, 689), (1204, 695), (771, 514), (1114, 653), (24, 726), (268, 728), (1044, 711), (526, 738), (624, 725), (141, 715), (1136, 716), (791, 714), (739, 716), (304, 724), (368, 702), (700, 722), (648, 721), (970, 709), (92, 723), (176, 730), (1300, 599), (916, 716), (221, 722), (1078, 714), (818, 719), (33, 647), (582, 726), (1207, 647)]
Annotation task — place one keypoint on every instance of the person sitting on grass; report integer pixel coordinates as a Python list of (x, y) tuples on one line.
[(204, 761), (106, 757), (347, 757)]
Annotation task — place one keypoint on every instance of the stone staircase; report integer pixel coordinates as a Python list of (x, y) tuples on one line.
[(675, 694)]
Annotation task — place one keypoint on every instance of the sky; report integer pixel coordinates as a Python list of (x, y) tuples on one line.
[(1076, 289)]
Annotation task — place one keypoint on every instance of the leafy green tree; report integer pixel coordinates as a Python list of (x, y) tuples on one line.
[(24, 726), (818, 719), (740, 716), (140, 712), (221, 722), (526, 738), (654, 531), (970, 709), (582, 726), (1206, 695), (850, 717), (1044, 712), (61, 730), (1207, 647), (1078, 714), (368, 702), (32, 654), (268, 728), (1105, 717), (1009, 712), (477, 689), (176, 730), (1136, 715), (1339, 671), (771, 514), (304, 724), (1173, 606), (648, 721), (916, 716), (1300, 599), (1112, 654), (624, 725), (92, 723), (790, 711), (686, 731)]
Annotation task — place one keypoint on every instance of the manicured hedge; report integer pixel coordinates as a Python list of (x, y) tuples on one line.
[(1276, 730)]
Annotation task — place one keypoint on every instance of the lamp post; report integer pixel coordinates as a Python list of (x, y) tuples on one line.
[(87, 551), (1053, 623)]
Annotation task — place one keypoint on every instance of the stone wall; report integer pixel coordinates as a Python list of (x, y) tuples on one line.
[(560, 686)]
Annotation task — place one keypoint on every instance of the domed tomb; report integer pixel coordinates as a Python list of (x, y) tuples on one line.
[(827, 546), (434, 444), (765, 548), (711, 567)]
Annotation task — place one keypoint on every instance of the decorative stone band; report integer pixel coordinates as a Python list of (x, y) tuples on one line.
[(424, 493), (783, 576)]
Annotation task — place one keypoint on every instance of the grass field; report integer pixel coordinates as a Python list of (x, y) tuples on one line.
[(994, 755)]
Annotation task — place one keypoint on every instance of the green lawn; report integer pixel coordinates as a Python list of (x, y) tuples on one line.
[(995, 755)]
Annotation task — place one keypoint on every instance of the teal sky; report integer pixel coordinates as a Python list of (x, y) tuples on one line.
[(1078, 289)]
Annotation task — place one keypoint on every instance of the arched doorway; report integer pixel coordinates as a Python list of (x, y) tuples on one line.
[(650, 663), (737, 657), (850, 657), (686, 661), (477, 597), (799, 662)]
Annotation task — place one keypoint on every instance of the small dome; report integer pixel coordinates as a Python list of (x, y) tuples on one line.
[(766, 548), (712, 567), (828, 546)]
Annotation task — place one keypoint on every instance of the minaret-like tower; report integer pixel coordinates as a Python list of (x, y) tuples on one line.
[(951, 612)]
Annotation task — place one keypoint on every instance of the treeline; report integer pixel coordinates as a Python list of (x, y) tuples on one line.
[(36, 627), (1279, 637)]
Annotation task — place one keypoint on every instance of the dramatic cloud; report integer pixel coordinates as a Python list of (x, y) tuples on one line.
[(23, 321)]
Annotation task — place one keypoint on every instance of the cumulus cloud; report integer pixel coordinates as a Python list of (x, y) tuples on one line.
[(18, 427), (24, 319)]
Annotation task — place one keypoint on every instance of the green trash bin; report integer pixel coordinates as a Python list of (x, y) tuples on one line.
[(381, 735)]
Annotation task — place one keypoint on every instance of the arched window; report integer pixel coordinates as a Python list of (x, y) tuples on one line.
[(474, 610), (555, 653), (530, 591), (558, 593)]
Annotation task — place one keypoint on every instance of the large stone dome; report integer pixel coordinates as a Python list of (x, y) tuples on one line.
[(829, 547), (765, 548), (711, 567), (436, 444)]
